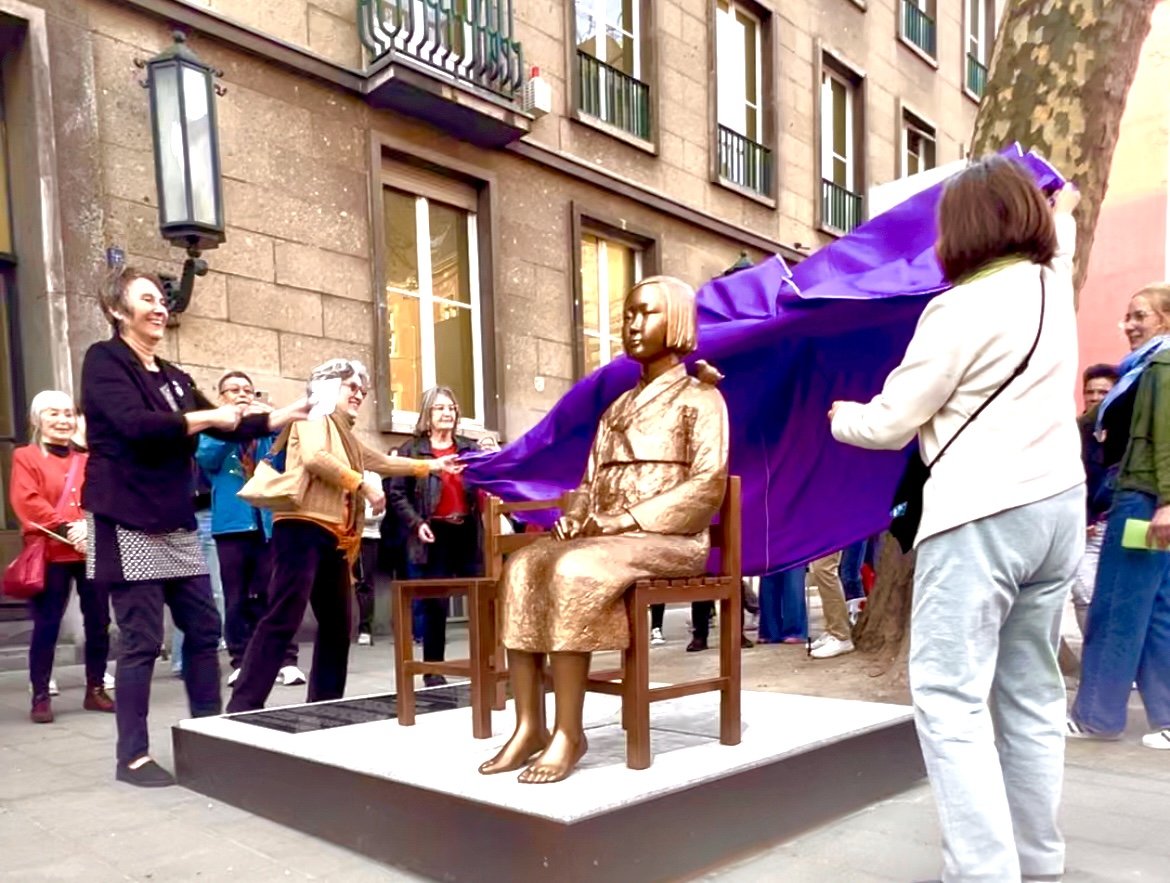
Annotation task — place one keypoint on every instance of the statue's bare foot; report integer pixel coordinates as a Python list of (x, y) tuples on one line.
[(557, 760), (516, 751)]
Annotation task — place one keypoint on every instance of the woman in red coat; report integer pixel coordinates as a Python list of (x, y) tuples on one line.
[(43, 503)]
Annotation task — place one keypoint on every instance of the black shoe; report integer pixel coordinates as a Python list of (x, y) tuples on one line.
[(696, 645), (745, 642), (434, 681), (149, 775)]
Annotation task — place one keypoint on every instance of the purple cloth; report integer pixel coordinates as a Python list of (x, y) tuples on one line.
[(790, 344)]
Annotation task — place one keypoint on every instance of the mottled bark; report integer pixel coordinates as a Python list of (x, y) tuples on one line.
[(1060, 74), (883, 632)]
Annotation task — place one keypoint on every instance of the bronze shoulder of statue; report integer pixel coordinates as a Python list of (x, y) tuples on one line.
[(656, 477)]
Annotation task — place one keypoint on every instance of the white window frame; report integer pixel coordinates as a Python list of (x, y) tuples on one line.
[(976, 39), (828, 153), (729, 10), (597, 9), (603, 333), (427, 301), (909, 124)]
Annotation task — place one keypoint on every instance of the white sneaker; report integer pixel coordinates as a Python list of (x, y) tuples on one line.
[(1159, 741), (108, 681), (1073, 730), (820, 642), (53, 689), (291, 676), (365, 639), (656, 637), (832, 647), (233, 677)]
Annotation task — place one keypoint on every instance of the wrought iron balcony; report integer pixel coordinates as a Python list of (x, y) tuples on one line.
[(840, 208), (976, 76), (918, 27), (613, 96), (454, 63), (744, 162)]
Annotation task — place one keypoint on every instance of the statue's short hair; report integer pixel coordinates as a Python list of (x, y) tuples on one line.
[(682, 319)]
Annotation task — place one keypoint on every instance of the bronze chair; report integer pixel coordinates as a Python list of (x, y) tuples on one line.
[(485, 665)]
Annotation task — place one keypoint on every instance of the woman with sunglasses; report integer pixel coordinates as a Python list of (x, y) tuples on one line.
[(315, 546)]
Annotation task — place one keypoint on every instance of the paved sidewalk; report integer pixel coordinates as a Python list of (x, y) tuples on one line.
[(64, 818)]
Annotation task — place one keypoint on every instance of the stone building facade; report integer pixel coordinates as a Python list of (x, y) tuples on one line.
[(388, 198)]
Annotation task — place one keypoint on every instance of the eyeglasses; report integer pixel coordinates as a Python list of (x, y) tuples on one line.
[(237, 390), (443, 408), (1141, 316), (354, 387)]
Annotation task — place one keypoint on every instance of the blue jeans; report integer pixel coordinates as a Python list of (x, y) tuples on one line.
[(782, 608), (207, 541), (852, 557), (1127, 637)]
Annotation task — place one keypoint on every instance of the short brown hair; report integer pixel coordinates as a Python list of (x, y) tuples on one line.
[(112, 296), (992, 209), (682, 321)]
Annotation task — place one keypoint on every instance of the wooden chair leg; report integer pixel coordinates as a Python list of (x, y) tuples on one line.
[(479, 664), (730, 630), (636, 696), (403, 655)]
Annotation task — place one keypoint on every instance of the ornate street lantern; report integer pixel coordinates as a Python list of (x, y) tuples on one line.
[(186, 158)]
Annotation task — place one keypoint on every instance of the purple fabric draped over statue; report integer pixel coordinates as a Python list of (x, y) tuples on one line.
[(789, 344)]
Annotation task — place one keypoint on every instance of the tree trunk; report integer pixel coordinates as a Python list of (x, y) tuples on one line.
[(1059, 77)]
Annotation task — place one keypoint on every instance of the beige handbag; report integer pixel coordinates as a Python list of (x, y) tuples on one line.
[(273, 488)]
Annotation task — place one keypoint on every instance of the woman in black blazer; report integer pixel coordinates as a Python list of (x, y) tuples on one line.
[(144, 416)]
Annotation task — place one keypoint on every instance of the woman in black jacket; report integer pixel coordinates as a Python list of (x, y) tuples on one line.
[(438, 515), (144, 416)]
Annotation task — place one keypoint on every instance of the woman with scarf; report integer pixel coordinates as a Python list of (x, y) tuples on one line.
[(1127, 638), (315, 546)]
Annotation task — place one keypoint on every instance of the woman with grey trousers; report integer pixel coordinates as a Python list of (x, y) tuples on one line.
[(1003, 517)]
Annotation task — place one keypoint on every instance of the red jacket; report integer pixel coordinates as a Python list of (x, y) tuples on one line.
[(38, 479)]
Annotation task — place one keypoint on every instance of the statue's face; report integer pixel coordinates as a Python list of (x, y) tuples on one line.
[(644, 323)]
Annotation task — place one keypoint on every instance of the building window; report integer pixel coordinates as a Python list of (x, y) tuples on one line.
[(743, 158), (11, 399), (918, 145), (432, 309), (980, 29), (841, 181), (609, 269), (917, 24), (611, 87)]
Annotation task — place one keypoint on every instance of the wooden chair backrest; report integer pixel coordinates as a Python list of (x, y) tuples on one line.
[(726, 533)]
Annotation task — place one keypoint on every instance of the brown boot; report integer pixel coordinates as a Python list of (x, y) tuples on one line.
[(97, 699), (42, 710)]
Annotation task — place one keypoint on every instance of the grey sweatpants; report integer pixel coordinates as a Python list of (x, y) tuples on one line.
[(989, 699)]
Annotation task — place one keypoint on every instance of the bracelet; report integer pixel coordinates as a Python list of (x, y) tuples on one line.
[(422, 468)]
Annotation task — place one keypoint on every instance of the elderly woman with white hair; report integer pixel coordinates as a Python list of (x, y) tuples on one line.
[(47, 477), (314, 546)]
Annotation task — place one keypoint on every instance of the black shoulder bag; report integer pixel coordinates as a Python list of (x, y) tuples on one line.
[(907, 508)]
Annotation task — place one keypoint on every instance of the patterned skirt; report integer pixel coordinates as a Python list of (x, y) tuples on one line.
[(117, 554)]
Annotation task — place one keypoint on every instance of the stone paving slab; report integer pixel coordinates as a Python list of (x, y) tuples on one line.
[(64, 818)]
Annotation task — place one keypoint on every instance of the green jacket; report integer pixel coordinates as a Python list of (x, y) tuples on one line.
[(1146, 464)]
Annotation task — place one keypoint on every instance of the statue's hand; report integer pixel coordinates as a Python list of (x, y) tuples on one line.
[(607, 525), (566, 529)]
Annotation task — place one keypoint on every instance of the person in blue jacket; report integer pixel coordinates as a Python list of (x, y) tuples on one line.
[(242, 532)]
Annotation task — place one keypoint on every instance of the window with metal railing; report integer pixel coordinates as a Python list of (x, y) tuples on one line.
[(976, 76), (469, 40), (840, 208), (744, 162), (918, 27), (612, 96)]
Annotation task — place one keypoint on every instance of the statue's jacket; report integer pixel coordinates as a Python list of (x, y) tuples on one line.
[(660, 454)]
